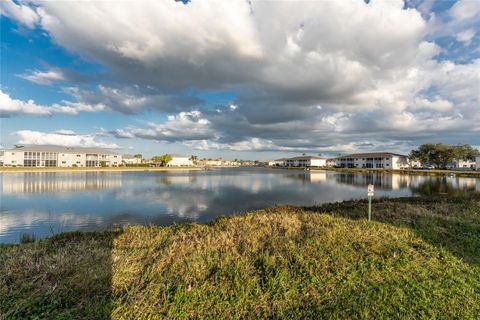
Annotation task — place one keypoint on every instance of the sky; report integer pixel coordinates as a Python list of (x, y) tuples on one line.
[(240, 79)]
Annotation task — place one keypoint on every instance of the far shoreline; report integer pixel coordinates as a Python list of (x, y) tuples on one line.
[(96, 169)]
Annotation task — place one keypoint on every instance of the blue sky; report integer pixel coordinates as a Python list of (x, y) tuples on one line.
[(243, 80)]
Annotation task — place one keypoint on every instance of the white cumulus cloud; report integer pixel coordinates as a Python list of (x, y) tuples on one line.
[(66, 138)]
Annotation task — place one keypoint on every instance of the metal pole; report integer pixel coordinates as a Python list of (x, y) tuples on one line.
[(369, 208)]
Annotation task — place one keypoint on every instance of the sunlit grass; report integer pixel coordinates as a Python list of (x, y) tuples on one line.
[(421, 260)]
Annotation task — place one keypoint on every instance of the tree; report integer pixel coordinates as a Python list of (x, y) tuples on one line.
[(440, 155), (138, 155), (465, 152), (193, 158), (163, 160)]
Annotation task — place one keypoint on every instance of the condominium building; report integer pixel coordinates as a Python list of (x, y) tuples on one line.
[(179, 161), (302, 161), (132, 159), (462, 164), (386, 160), (58, 156)]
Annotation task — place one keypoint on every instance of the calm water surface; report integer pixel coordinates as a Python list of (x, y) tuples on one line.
[(44, 203)]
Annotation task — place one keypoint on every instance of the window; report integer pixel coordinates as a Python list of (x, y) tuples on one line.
[(78, 155), (64, 162)]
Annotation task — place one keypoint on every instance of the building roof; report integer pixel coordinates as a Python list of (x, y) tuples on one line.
[(371, 154), (61, 149)]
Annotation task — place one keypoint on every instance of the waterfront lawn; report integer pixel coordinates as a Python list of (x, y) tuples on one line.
[(420, 259)]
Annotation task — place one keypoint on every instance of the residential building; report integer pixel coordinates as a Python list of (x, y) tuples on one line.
[(383, 160), (415, 164), (131, 159), (461, 164), (305, 161), (58, 156), (331, 162), (179, 161), (277, 163), (214, 162), (301, 161)]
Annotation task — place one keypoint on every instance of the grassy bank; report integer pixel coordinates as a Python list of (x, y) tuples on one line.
[(419, 259)]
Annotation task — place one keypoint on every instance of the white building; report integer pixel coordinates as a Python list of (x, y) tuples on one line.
[(462, 164), (302, 161), (331, 162), (380, 160), (277, 163), (179, 161), (131, 159), (57, 156), (305, 161)]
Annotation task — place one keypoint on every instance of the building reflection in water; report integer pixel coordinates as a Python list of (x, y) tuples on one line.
[(40, 182), (380, 180), (385, 181)]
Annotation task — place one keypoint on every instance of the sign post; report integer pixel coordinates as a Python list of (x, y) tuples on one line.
[(370, 193)]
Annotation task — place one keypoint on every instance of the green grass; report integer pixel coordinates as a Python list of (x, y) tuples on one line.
[(420, 259)]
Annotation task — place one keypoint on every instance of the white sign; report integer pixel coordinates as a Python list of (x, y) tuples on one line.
[(370, 190)]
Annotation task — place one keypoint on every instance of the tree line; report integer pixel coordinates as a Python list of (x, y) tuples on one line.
[(440, 155)]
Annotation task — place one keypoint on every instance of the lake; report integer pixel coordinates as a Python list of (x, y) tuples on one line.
[(45, 203)]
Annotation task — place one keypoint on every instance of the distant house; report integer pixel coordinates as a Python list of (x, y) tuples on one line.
[(462, 164), (179, 161), (385, 160), (131, 159), (58, 156), (277, 163), (214, 162), (306, 161), (302, 161), (331, 162)]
